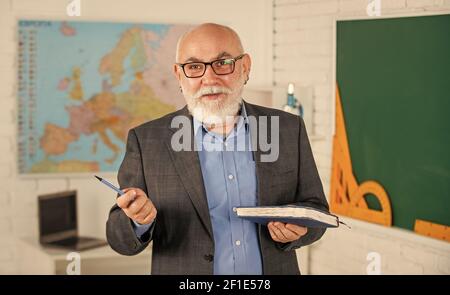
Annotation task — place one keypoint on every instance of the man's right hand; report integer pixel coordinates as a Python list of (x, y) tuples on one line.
[(137, 205)]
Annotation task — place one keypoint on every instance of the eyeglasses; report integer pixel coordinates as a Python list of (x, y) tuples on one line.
[(220, 67)]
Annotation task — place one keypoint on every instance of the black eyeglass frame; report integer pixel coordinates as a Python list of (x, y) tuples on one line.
[(234, 59)]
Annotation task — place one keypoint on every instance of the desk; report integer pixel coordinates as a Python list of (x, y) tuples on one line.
[(36, 259)]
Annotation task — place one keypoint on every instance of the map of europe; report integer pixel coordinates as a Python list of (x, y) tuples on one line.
[(83, 85)]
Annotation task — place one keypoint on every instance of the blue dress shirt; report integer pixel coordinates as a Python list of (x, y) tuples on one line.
[(229, 176)]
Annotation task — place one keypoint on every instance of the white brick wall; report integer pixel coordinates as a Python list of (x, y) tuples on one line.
[(303, 54)]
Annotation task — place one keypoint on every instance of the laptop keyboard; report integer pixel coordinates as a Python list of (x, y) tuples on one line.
[(74, 241), (67, 242)]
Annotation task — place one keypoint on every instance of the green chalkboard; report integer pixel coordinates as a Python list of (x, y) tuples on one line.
[(394, 80)]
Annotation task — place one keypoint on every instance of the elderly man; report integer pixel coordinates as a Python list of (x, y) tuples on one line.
[(183, 200)]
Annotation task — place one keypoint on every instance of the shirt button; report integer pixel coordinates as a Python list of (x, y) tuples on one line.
[(234, 209), (238, 243), (230, 176)]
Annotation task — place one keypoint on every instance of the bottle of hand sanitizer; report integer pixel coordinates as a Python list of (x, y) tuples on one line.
[(292, 105)]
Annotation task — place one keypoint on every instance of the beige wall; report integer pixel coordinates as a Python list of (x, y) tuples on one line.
[(303, 50)]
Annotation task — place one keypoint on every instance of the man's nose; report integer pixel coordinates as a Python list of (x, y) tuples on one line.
[(209, 75)]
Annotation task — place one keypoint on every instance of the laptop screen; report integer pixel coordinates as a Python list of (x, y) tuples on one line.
[(57, 213)]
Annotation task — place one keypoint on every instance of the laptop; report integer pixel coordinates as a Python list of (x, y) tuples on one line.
[(58, 224)]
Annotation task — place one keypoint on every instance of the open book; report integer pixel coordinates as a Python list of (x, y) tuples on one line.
[(300, 215)]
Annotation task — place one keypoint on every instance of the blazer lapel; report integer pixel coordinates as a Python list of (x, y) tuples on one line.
[(263, 172), (188, 168)]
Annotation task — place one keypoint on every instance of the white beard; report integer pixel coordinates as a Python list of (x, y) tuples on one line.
[(218, 111)]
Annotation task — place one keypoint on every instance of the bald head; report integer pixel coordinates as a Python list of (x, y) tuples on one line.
[(208, 35)]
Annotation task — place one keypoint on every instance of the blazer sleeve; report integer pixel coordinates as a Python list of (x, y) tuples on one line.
[(120, 232), (309, 190)]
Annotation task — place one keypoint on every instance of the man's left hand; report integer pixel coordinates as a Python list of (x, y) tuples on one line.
[(285, 232)]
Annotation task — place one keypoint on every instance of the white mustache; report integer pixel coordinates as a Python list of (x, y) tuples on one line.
[(211, 90)]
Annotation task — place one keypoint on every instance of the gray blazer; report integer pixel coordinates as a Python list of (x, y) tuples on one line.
[(182, 234)]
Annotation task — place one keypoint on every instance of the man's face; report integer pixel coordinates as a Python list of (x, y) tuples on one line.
[(212, 94)]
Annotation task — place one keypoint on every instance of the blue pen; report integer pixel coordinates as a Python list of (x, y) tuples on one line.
[(119, 191)]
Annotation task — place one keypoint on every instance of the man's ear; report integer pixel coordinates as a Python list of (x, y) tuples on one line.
[(246, 65), (177, 72)]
